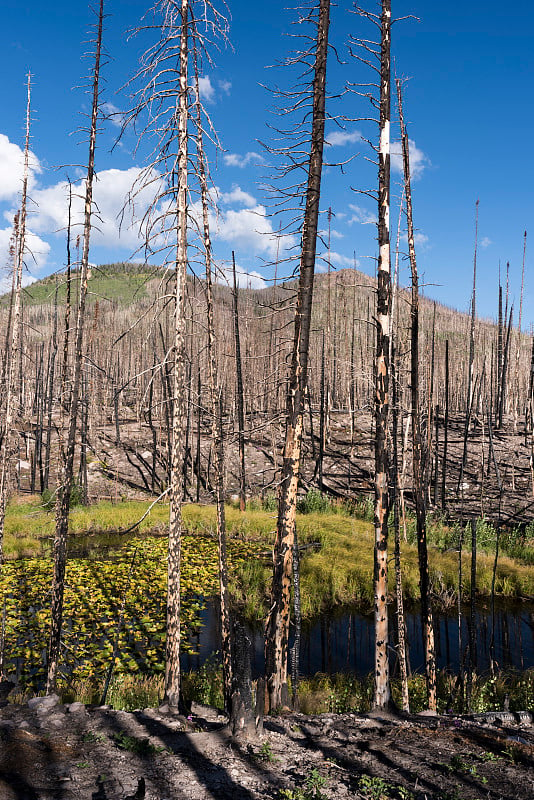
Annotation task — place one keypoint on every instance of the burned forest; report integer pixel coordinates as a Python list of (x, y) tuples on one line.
[(266, 491)]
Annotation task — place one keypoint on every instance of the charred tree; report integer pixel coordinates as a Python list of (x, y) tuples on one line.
[(239, 392), (67, 477), (277, 629), (417, 445)]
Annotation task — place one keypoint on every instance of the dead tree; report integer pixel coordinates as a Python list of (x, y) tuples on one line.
[(163, 107), (277, 629), (12, 344), (240, 401), (417, 444), (470, 381), (67, 477), (378, 57), (216, 416)]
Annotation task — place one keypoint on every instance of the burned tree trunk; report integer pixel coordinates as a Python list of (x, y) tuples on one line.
[(239, 393), (66, 481), (215, 394), (383, 325), (179, 410), (277, 630), (417, 445)]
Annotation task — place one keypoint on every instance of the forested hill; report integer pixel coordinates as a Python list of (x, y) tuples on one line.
[(129, 305)]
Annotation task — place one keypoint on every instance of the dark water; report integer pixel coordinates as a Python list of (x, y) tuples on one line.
[(344, 641)]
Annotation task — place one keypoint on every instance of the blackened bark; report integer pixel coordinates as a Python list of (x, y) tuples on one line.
[(239, 394), (417, 445), (65, 487), (382, 692), (276, 637)]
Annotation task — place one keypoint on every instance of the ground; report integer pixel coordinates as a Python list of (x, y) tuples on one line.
[(75, 752), (122, 470)]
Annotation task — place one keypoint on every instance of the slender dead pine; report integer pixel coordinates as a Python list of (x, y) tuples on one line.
[(179, 413), (215, 408), (417, 445), (239, 392), (277, 628), (14, 345), (382, 692), (67, 477)]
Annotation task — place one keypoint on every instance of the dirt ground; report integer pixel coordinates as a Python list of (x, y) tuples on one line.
[(123, 470), (75, 752)]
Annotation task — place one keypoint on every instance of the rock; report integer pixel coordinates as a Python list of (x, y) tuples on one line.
[(55, 721), (43, 704), (77, 708)]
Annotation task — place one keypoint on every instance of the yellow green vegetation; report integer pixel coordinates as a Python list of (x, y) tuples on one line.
[(337, 559), (109, 574), (97, 593), (338, 693)]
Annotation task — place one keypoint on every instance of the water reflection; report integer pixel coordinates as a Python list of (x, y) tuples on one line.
[(344, 641)]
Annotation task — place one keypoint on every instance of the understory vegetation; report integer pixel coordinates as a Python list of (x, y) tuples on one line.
[(340, 693), (115, 593)]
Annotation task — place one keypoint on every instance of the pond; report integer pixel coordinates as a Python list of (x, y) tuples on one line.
[(343, 641), (133, 576)]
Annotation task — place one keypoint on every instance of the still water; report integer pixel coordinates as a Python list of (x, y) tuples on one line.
[(344, 641)]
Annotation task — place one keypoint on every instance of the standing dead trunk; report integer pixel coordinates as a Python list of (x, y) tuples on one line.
[(472, 611), (50, 393), (417, 445), (277, 629), (239, 394), (12, 345), (445, 432), (216, 411), (401, 638), (518, 347), (16, 329), (179, 409), (65, 487), (382, 692)]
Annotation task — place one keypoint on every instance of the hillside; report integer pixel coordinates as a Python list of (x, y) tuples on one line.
[(127, 381)]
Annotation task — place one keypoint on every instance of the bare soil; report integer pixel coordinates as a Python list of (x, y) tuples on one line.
[(504, 494), (79, 753)]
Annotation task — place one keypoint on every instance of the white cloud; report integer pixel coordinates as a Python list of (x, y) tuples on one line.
[(238, 196), (485, 241), (36, 254), (207, 90), (248, 230), (225, 86), (337, 138), (361, 215), (110, 192), (336, 260), (237, 160), (11, 168), (244, 279), (418, 160), (113, 114), (420, 239)]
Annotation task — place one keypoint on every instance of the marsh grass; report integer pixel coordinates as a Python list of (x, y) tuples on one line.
[(340, 693), (337, 571)]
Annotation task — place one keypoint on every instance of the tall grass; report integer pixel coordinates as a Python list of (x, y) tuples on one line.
[(337, 562)]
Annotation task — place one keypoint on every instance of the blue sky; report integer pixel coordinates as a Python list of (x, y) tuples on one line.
[(467, 105)]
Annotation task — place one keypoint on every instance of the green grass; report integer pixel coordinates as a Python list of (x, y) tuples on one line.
[(340, 693), (106, 283), (337, 572)]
